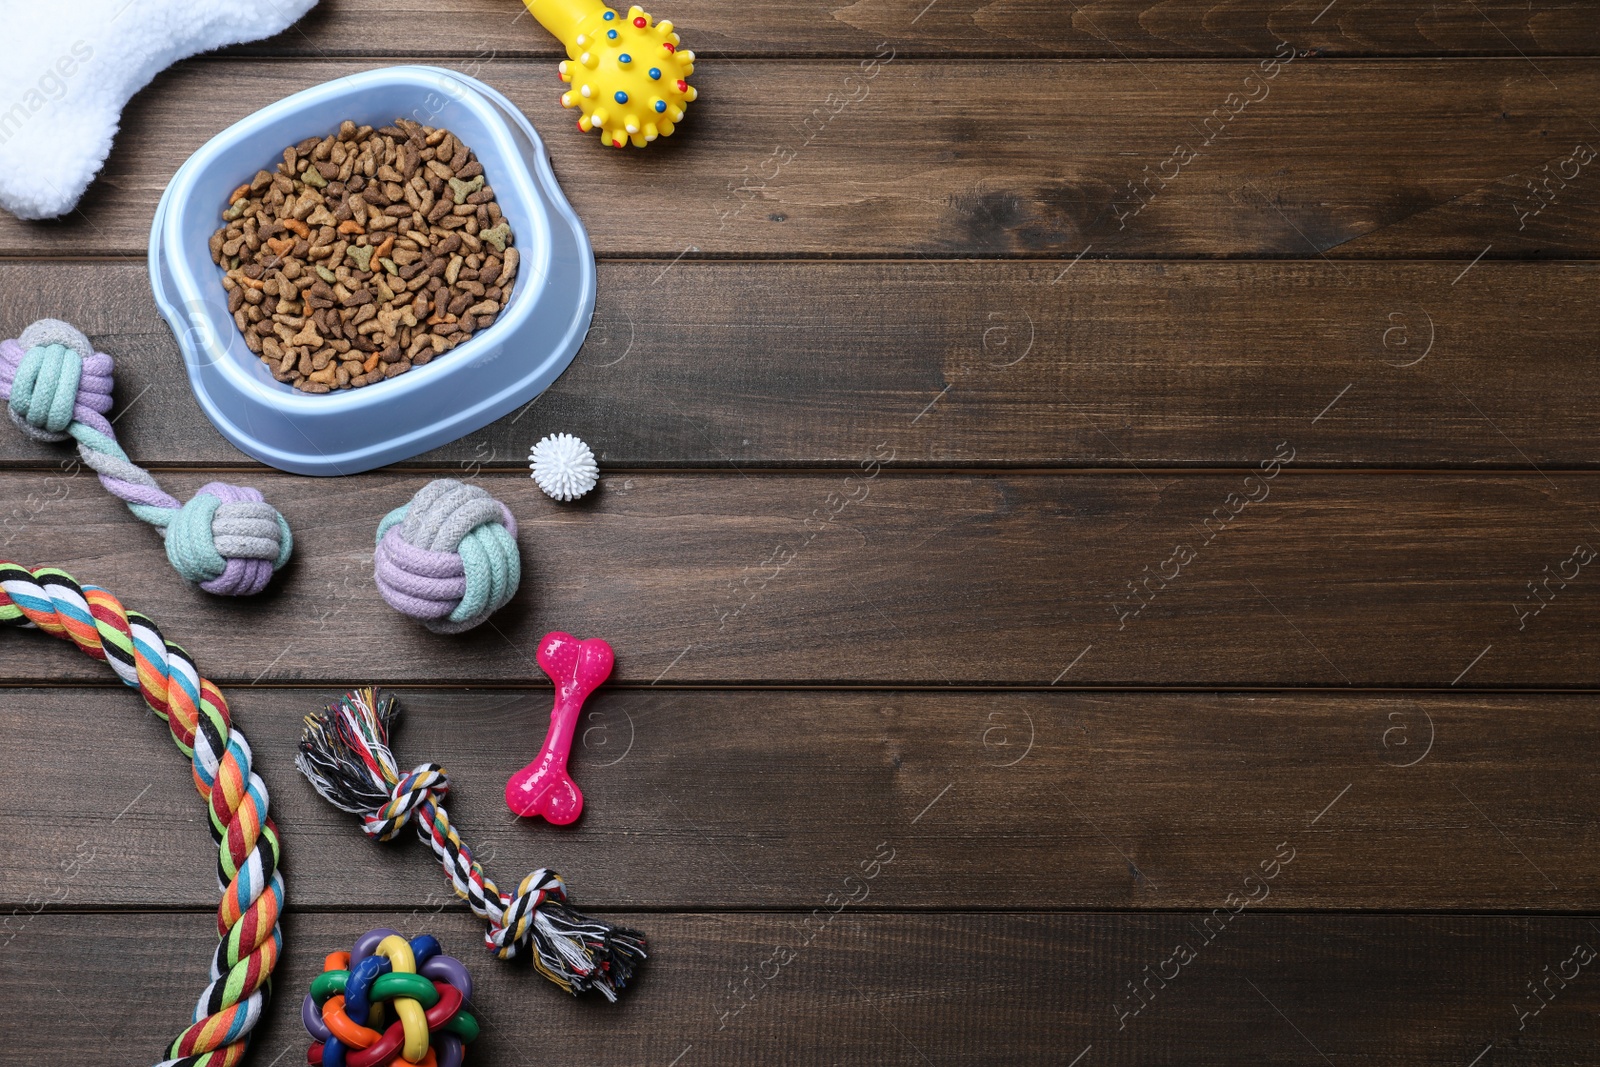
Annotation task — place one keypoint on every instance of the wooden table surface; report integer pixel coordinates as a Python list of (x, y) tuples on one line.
[(938, 339)]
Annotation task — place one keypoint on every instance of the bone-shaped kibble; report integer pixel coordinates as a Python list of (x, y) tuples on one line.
[(543, 787)]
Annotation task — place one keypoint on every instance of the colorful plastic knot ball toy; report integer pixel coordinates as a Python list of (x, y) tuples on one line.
[(629, 77), (390, 1000)]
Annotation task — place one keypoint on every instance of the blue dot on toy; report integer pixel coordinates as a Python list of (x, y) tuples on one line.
[(624, 58), (611, 34), (655, 72), (622, 97), (661, 105), (609, 15)]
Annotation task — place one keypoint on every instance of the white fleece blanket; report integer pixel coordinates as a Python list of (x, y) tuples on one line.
[(72, 65)]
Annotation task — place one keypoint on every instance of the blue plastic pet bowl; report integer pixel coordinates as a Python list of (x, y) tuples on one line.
[(350, 430)]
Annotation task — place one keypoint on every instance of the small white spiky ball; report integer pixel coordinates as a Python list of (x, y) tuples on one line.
[(563, 466)]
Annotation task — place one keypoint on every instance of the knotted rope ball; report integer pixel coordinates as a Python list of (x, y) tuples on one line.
[(425, 991), (196, 714), (227, 538), (449, 557)]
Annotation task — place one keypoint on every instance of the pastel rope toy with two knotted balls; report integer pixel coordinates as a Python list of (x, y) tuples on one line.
[(425, 990), (226, 537), (449, 557), (195, 712)]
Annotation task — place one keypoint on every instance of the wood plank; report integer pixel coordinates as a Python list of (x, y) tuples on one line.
[(1341, 158), (1112, 29), (992, 363), (1032, 988), (1332, 579), (737, 799)]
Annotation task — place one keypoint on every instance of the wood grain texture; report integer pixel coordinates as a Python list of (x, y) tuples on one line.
[(909, 157), (722, 800), (1029, 988), (1111, 29), (1097, 364), (933, 737), (1332, 579)]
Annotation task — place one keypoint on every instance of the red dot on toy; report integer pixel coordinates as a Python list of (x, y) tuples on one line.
[(669, 46), (640, 22), (683, 86), (580, 125)]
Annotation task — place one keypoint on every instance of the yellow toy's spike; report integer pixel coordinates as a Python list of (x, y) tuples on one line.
[(639, 67)]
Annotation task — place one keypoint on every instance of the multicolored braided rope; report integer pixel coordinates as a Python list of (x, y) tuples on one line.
[(345, 755), (247, 841), (226, 537)]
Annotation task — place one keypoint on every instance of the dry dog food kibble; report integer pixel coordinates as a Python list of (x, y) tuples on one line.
[(368, 253)]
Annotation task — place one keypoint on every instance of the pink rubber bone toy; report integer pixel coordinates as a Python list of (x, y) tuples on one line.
[(543, 787)]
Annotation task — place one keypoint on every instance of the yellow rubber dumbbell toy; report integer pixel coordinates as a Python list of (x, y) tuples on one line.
[(628, 75)]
